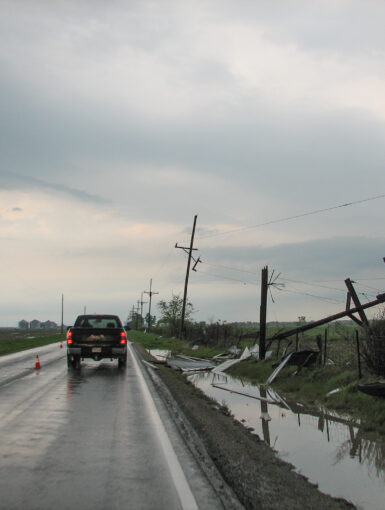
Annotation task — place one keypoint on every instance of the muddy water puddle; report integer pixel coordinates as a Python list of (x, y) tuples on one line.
[(329, 449)]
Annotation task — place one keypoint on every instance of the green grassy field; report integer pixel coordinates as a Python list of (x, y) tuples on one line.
[(14, 340), (153, 341), (312, 386)]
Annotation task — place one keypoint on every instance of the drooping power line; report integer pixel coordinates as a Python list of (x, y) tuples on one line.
[(288, 218)]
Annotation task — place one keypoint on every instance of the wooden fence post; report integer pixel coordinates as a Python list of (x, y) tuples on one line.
[(358, 355), (325, 346)]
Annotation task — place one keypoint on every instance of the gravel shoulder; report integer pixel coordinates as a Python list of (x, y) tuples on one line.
[(250, 468)]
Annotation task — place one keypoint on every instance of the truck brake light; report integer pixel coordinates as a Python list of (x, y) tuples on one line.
[(69, 338), (123, 338)]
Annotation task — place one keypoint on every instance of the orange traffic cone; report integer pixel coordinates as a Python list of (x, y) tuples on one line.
[(37, 363)]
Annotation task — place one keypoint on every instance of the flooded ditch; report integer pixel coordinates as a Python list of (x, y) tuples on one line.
[(329, 449)]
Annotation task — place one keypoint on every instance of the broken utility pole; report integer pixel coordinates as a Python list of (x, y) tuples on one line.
[(189, 251), (262, 313), (353, 295), (347, 313), (150, 293)]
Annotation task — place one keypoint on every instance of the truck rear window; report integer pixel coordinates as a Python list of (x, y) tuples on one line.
[(101, 321)]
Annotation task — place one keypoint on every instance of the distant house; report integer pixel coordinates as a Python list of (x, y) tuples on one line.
[(48, 325), (35, 324), (23, 324)]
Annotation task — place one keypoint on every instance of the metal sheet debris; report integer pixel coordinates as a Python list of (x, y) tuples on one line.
[(150, 364), (189, 365), (230, 362), (274, 374), (225, 365), (300, 358)]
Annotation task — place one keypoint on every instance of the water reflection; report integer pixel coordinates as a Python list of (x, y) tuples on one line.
[(330, 449)]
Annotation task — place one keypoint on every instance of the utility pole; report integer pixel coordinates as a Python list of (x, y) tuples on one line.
[(150, 293), (141, 306), (262, 314), (62, 314), (137, 314), (189, 251), (132, 314)]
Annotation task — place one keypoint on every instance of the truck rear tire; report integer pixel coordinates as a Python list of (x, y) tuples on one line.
[(73, 361)]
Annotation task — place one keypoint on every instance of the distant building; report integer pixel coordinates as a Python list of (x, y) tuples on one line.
[(48, 325), (35, 324), (23, 324)]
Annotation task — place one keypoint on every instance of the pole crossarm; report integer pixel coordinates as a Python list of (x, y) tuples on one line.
[(356, 301), (186, 248)]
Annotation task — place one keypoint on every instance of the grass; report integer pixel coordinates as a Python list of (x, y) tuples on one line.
[(18, 340), (176, 346), (312, 385)]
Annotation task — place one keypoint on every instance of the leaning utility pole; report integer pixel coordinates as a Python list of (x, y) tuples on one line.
[(189, 251), (150, 293), (262, 313)]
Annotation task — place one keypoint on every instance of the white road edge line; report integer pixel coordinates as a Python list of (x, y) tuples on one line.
[(186, 497)]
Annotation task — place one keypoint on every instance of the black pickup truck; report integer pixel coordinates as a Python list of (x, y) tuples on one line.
[(97, 337)]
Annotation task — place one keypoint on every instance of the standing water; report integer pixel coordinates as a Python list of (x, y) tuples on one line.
[(329, 449)]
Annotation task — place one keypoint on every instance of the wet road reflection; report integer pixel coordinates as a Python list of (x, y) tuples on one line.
[(81, 439), (330, 449)]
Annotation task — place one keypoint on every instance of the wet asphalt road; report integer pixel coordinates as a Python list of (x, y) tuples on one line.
[(94, 438)]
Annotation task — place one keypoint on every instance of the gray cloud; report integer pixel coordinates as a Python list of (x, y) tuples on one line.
[(339, 258), (10, 180), (145, 106)]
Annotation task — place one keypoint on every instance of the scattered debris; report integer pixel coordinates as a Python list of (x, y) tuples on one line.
[(189, 365), (299, 358), (255, 352), (376, 389), (222, 355), (150, 364), (230, 362), (274, 374), (245, 355), (225, 365), (333, 392), (159, 354)]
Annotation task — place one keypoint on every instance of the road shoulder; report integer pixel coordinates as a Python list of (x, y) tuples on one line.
[(250, 468)]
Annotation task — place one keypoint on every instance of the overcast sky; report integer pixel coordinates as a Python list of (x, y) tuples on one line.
[(121, 120)]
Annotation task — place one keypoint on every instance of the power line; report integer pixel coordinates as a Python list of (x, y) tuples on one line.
[(368, 286), (221, 277), (312, 284), (311, 295), (288, 218), (227, 267)]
